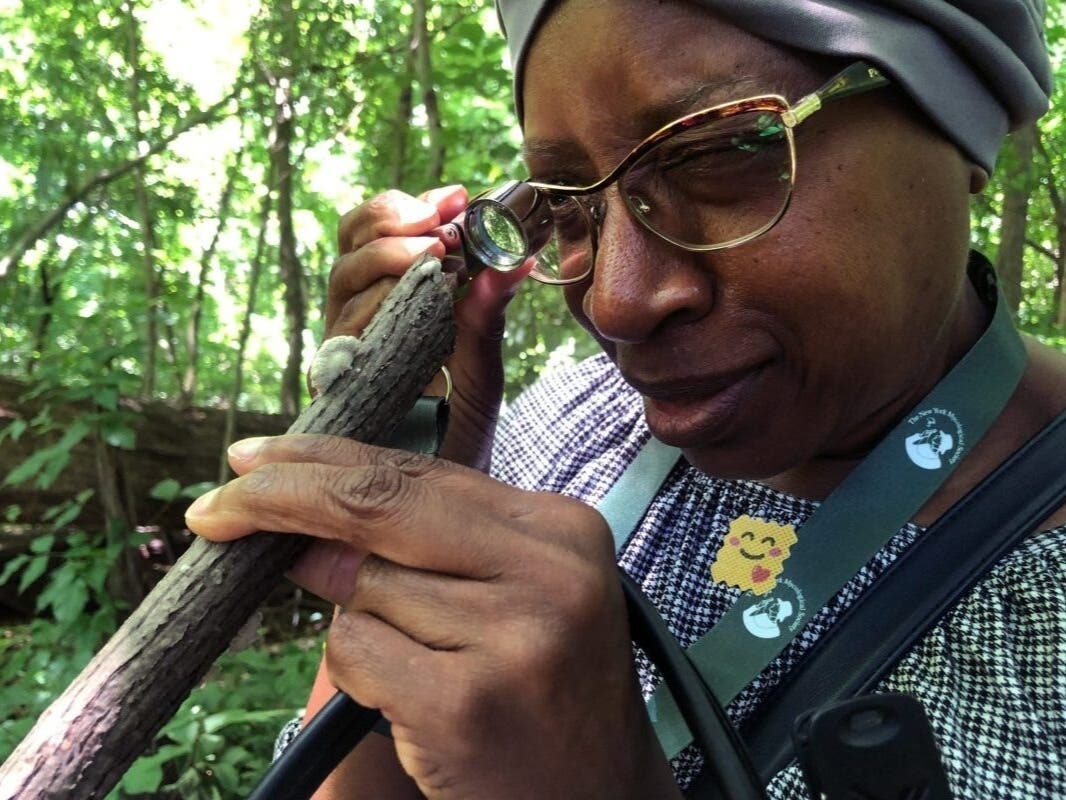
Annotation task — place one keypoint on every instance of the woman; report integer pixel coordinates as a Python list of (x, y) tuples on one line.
[(483, 616)]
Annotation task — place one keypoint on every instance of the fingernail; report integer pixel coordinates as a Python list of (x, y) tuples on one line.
[(202, 504), (247, 449), (434, 195), (412, 210), (418, 245)]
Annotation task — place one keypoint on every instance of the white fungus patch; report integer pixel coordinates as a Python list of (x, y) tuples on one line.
[(332, 360)]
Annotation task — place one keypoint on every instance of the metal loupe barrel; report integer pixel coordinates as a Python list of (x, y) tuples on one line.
[(507, 225)]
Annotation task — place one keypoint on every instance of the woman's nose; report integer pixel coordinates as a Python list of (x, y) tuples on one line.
[(641, 283)]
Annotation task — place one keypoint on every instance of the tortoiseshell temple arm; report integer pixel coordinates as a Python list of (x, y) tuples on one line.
[(859, 77)]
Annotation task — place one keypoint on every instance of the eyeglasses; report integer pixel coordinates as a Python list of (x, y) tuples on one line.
[(711, 180)]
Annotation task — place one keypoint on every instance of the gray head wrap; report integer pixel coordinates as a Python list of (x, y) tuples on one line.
[(977, 68)]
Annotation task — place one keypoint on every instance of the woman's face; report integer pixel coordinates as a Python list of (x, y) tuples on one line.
[(806, 342)]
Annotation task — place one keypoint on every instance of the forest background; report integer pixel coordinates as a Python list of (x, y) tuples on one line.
[(170, 183)]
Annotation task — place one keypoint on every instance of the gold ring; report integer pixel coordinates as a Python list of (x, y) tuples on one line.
[(448, 386)]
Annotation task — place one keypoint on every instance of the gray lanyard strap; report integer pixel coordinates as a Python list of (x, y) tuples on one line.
[(865, 511), (628, 500)]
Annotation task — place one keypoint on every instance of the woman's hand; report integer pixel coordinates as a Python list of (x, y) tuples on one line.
[(377, 242), (485, 622)]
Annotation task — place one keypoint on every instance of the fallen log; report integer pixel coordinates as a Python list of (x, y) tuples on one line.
[(182, 444), (87, 738)]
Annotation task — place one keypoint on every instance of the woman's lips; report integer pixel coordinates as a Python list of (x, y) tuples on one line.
[(690, 411)]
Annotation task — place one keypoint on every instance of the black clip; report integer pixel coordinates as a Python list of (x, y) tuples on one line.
[(874, 747)]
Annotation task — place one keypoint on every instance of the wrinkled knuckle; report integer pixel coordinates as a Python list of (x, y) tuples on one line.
[(263, 481), (346, 652), (381, 211), (335, 270), (414, 465), (325, 449), (580, 602), (372, 573), (594, 536), (375, 491)]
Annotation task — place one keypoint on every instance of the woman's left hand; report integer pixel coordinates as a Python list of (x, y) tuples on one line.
[(485, 622)]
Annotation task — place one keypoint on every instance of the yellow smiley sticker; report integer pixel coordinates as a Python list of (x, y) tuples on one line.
[(753, 554)]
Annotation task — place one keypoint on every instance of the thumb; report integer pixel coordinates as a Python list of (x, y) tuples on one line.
[(482, 308)]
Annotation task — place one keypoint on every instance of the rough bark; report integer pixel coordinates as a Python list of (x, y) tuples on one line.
[(1019, 188), (82, 744)]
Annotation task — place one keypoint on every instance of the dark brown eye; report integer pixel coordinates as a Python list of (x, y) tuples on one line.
[(748, 535), (769, 540)]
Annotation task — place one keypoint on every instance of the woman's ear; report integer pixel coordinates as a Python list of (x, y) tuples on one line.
[(978, 179)]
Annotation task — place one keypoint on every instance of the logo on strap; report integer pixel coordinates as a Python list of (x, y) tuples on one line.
[(935, 438), (784, 610)]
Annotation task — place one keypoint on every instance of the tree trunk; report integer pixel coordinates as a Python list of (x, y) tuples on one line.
[(144, 211), (246, 327), (1019, 188), (192, 328), (86, 739), (292, 277), (402, 123), (48, 293), (424, 70), (1058, 204)]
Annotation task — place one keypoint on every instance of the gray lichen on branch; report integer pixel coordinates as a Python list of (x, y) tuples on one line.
[(88, 737)]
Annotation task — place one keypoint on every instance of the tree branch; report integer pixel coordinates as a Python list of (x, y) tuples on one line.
[(83, 743), (10, 261)]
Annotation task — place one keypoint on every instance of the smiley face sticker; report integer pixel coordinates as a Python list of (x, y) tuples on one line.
[(753, 554)]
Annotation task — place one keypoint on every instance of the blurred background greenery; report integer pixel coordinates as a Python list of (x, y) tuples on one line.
[(170, 183)]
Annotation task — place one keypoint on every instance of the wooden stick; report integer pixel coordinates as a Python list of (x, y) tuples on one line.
[(88, 737)]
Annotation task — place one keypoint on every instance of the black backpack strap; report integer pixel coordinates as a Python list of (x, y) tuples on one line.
[(923, 584)]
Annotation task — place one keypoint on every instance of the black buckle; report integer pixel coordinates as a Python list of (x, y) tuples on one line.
[(873, 747)]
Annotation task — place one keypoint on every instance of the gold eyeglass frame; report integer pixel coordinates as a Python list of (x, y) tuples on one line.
[(857, 78)]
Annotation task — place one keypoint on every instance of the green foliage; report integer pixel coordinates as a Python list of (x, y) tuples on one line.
[(219, 743), (75, 296), (77, 614)]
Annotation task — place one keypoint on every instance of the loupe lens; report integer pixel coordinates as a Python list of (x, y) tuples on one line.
[(495, 236)]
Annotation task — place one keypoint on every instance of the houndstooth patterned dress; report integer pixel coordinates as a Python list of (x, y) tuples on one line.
[(991, 675)]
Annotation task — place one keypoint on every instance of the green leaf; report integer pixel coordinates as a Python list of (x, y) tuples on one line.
[(12, 566), (228, 778), (119, 434), (144, 777), (106, 397), (42, 544), (194, 490), (71, 603), (14, 430), (211, 743), (28, 468), (166, 490), (216, 722), (67, 516), (34, 570)]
